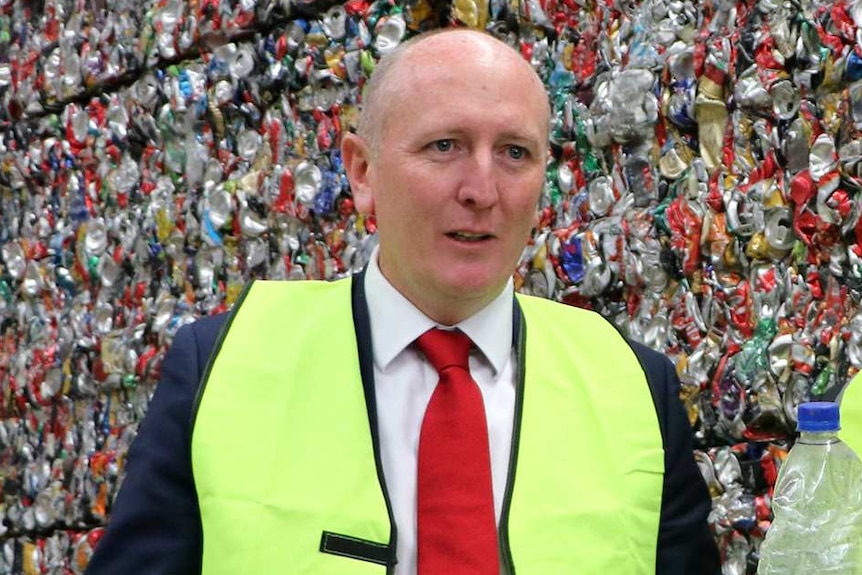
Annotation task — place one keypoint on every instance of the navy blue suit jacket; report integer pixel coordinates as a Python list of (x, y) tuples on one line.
[(155, 526)]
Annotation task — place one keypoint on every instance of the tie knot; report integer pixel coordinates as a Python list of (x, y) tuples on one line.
[(445, 348)]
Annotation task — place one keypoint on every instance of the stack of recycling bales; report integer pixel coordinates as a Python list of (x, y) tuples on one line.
[(154, 156)]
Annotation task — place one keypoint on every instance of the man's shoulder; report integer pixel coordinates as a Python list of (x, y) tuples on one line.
[(652, 361), (210, 323), (202, 333)]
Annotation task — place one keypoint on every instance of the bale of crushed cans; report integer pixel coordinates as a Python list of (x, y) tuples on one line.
[(703, 194)]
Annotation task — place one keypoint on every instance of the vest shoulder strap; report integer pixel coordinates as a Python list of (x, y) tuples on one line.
[(590, 458), (282, 453)]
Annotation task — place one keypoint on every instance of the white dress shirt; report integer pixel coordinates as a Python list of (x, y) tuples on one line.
[(404, 382)]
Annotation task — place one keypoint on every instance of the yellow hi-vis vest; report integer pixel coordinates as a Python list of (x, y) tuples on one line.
[(289, 481), (851, 415)]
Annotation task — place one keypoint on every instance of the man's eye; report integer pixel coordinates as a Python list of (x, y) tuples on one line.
[(517, 152), (443, 145)]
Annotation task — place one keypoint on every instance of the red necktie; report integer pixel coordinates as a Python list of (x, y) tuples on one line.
[(457, 529)]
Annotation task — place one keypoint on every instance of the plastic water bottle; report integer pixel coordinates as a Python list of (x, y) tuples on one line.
[(817, 505)]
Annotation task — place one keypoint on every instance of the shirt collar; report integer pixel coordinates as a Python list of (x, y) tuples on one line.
[(396, 322)]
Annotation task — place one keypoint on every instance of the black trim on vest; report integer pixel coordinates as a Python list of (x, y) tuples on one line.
[(205, 376), (347, 546), (362, 326), (519, 339), (656, 392)]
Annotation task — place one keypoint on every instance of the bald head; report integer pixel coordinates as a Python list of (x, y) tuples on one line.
[(429, 54)]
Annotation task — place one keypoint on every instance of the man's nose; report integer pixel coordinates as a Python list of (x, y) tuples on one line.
[(478, 188)]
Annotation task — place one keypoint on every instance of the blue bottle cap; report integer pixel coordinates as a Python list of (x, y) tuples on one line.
[(818, 416)]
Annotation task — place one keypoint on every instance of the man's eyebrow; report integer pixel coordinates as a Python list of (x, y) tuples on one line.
[(523, 137)]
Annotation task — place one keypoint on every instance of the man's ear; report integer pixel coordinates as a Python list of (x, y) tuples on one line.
[(356, 155)]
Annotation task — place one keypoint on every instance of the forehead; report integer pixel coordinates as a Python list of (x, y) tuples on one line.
[(458, 77)]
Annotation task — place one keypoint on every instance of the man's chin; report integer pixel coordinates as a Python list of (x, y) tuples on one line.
[(470, 288)]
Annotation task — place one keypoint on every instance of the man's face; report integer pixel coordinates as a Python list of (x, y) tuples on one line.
[(456, 179)]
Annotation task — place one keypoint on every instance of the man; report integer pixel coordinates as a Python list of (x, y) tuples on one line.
[(306, 449)]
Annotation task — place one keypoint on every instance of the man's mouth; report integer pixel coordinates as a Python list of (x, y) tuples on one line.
[(469, 236)]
